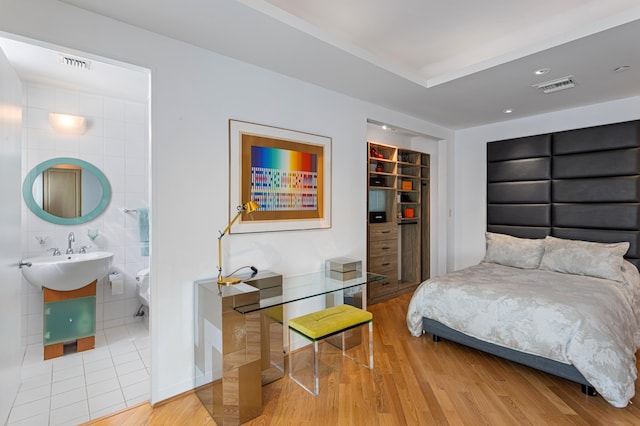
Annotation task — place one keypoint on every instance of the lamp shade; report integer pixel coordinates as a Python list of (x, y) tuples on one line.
[(251, 206)]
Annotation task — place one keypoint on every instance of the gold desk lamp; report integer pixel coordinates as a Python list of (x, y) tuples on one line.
[(249, 207)]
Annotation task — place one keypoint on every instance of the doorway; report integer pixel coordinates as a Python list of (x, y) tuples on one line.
[(113, 97)]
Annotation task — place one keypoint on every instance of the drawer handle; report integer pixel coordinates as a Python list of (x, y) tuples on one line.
[(385, 264), (385, 232), (385, 283), (385, 248)]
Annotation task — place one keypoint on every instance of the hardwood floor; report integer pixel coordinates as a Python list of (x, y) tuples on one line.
[(415, 382)]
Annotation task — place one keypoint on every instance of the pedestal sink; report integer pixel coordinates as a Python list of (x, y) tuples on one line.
[(68, 271)]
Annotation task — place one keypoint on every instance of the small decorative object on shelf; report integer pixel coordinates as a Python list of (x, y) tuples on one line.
[(379, 167), (376, 181), (408, 212), (377, 217), (407, 185), (373, 153)]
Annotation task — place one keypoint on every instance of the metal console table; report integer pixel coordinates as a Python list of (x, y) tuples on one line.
[(239, 338)]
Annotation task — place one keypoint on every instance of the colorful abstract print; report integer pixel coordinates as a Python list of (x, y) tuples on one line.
[(284, 180)]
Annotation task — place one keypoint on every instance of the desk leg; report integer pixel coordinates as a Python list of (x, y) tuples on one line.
[(241, 367), (227, 355), (272, 350)]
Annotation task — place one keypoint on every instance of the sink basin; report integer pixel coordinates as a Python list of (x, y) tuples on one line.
[(68, 271)]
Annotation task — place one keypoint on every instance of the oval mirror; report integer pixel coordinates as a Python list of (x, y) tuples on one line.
[(66, 191)]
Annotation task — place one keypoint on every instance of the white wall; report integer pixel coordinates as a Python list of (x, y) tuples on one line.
[(194, 94), (469, 159), (11, 302), (116, 142)]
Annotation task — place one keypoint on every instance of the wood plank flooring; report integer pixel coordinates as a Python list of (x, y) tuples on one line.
[(415, 382)]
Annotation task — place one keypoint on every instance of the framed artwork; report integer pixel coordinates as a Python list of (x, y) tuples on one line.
[(288, 173)]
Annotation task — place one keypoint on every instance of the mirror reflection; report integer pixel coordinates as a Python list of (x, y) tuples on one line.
[(66, 191)]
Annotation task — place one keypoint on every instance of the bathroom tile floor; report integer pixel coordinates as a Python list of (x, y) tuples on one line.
[(78, 387)]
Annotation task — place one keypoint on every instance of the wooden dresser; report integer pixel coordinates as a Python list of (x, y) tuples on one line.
[(383, 259)]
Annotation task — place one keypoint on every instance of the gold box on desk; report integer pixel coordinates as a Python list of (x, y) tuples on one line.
[(343, 268)]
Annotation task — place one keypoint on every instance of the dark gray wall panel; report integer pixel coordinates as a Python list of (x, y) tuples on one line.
[(598, 216), (527, 192), (621, 162), (602, 236), (594, 176), (512, 149), (520, 231), (519, 215), (598, 138), (601, 190), (519, 170)]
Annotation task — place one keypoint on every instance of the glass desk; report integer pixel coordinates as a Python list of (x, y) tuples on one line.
[(306, 286), (239, 336)]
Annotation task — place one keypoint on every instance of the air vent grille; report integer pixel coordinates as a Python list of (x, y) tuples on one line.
[(556, 85), (75, 62)]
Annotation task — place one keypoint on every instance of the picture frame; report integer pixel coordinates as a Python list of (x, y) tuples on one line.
[(287, 172)]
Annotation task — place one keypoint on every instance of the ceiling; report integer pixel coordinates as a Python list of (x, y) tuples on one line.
[(46, 65), (451, 63)]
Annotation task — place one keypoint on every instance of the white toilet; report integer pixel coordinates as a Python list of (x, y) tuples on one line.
[(142, 282)]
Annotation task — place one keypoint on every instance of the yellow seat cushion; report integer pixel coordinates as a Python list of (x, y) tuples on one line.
[(275, 313), (329, 321)]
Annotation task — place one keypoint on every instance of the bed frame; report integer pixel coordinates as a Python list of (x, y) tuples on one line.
[(567, 371), (581, 184)]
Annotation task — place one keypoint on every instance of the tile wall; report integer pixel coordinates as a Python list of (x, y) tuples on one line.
[(116, 142)]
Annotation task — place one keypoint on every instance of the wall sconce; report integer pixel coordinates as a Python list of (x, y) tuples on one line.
[(65, 123), (249, 207)]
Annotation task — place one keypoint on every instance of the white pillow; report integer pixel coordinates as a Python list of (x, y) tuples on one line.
[(506, 250), (598, 260)]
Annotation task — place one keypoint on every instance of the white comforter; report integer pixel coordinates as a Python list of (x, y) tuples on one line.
[(591, 323)]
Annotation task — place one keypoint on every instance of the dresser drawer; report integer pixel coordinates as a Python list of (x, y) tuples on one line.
[(384, 265), (383, 231), (383, 248), (382, 288)]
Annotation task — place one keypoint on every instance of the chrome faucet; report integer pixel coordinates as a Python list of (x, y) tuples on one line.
[(72, 239)]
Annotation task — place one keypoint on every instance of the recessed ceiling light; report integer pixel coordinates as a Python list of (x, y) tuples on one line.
[(622, 68), (507, 111), (384, 127), (542, 71)]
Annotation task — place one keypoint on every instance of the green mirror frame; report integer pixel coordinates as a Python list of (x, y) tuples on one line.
[(27, 191)]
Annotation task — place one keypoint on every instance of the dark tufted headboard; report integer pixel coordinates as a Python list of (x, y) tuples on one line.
[(581, 184)]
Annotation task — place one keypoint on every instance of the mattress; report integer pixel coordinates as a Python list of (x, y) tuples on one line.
[(590, 323)]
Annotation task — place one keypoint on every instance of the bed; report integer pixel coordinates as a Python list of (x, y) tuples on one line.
[(573, 312), (563, 234)]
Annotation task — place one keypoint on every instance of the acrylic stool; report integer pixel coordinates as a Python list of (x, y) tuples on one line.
[(320, 325)]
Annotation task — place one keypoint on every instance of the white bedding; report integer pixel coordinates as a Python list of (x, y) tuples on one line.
[(591, 323)]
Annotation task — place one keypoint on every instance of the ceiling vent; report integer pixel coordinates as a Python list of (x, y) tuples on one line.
[(74, 62), (555, 85)]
